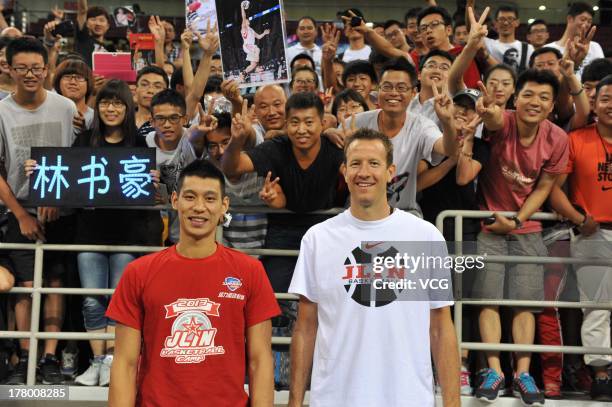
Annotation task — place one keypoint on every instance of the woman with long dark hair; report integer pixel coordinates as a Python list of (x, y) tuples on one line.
[(114, 125)]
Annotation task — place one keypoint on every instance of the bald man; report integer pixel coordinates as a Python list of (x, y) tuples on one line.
[(11, 32), (270, 111)]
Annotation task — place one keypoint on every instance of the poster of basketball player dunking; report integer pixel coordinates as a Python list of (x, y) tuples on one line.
[(252, 35)]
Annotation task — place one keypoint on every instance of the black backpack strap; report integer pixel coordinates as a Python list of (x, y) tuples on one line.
[(524, 49)]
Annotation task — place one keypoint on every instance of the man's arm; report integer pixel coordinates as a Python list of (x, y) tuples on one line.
[(572, 102), (561, 204), (82, 13), (234, 161), (209, 44), (28, 224), (159, 35), (302, 350), (260, 364), (3, 23), (331, 38), (445, 352), (380, 44), (124, 370), (430, 176), (186, 39), (263, 34)]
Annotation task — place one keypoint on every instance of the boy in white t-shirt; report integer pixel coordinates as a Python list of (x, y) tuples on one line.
[(507, 49), (368, 346)]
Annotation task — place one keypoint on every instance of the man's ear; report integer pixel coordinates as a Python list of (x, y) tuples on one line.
[(391, 171), (174, 200)]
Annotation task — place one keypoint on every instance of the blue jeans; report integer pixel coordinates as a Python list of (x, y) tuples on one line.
[(100, 270)]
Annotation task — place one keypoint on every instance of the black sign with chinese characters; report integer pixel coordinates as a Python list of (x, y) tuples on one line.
[(92, 177)]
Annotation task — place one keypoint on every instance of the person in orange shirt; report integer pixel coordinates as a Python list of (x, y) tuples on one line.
[(589, 171)]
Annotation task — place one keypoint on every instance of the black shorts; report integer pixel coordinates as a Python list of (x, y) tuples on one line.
[(21, 262)]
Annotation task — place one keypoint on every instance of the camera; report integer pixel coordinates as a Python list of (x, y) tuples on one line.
[(65, 29)]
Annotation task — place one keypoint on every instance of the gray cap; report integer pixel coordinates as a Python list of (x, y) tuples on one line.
[(472, 94)]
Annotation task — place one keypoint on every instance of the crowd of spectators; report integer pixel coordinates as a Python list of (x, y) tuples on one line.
[(478, 119)]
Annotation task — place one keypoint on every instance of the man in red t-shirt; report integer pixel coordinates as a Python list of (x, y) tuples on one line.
[(589, 170), (184, 314), (529, 152)]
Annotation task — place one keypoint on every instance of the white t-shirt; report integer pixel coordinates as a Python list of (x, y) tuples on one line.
[(508, 53), (426, 109), (353, 55), (414, 142), (373, 351), (595, 52)]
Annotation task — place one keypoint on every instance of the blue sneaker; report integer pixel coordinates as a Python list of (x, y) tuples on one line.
[(491, 383), (525, 388)]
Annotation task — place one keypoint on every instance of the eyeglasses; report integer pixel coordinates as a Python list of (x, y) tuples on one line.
[(24, 70), (161, 120), (303, 82), (116, 103), (392, 34), (539, 31), (435, 65), (506, 20), (433, 25), (75, 77), (400, 87), (214, 147)]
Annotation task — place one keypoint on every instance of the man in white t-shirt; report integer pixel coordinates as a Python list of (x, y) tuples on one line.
[(307, 35), (579, 30), (414, 137), (357, 47), (507, 48), (367, 345)]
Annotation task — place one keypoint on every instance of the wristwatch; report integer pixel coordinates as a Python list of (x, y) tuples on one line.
[(517, 221)]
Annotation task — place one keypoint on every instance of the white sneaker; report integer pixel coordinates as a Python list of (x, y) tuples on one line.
[(105, 370), (466, 388), (91, 377)]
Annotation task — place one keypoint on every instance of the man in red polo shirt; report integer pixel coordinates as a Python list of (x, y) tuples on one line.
[(192, 317)]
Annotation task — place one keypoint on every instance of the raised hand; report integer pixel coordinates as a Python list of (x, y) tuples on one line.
[(48, 31), (579, 45), (266, 31), (328, 99), (443, 104), (478, 30), (485, 106), (241, 124), (230, 90), (210, 41), (468, 130), (330, 33), (57, 13), (207, 122), (157, 29), (362, 27), (269, 192), (78, 121), (30, 166), (566, 67), (186, 39)]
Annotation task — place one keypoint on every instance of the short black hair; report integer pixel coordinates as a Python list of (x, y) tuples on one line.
[(95, 11), (544, 50), (169, 97), (176, 79), (73, 66), (539, 77), (535, 22), (216, 56), (224, 120), (305, 100), (302, 55), (346, 95), (400, 64), (369, 134), (377, 58), (201, 169), (435, 10), (302, 69), (597, 70), (604, 82), (577, 8), (152, 69), (4, 41), (308, 18), (435, 53), (459, 23), (359, 67), (25, 44), (390, 23), (213, 84), (412, 13), (507, 8)]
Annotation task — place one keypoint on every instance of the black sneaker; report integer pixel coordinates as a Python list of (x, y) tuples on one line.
[(489, 387), (601, 389), (525, 388), (49, 370), (19, 375)]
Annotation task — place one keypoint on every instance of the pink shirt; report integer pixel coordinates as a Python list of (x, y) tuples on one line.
[(513, 170)]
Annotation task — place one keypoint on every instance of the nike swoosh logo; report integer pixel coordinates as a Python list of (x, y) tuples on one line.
[(605, 188), (369, 246)]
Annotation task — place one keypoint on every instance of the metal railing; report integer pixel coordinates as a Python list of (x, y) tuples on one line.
[(37, 290), (458, 216)]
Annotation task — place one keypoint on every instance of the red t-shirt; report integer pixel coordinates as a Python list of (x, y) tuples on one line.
[(193, 315), (590, 169), (471, 75), (513, 171)]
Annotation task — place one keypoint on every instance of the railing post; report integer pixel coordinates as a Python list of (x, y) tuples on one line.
[(458, 279), (35, 313)]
